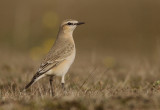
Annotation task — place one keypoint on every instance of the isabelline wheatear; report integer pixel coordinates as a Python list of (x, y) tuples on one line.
[(60, 57)]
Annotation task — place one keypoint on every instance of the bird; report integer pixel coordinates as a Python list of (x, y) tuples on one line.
[(60, 57)]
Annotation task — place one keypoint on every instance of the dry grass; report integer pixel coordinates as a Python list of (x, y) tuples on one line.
[(128, 83)]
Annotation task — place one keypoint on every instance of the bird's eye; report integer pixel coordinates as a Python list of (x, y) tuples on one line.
[(69, 23)]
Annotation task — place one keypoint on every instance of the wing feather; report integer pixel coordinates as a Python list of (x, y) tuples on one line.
[(56, 56)]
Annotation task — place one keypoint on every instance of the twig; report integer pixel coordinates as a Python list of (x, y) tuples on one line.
[(87, 78)]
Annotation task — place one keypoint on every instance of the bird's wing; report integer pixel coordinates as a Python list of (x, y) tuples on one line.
[(55, 57), (57, 54)]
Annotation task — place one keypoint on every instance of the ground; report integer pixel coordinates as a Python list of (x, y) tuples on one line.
[(96, 81)]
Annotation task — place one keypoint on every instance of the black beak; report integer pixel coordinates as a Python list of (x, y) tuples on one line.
[(79, 23)]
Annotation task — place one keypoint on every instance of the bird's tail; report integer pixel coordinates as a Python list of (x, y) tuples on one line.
[(35, 78)]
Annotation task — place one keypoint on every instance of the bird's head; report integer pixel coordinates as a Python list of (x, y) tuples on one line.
[(68, 26)]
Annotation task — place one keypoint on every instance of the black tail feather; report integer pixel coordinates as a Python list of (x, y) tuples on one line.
[(29, 84), (33, 80)]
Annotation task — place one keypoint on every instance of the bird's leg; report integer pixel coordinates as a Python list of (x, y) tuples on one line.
[(62, 83), (63, 86), (51, 86)]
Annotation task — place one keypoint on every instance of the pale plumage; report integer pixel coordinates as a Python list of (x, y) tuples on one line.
[(59, 52), (61, 55)]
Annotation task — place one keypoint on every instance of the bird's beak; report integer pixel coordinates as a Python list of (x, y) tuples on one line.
[(79, 23)]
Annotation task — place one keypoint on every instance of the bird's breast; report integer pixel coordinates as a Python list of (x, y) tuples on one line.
[(64, 66)]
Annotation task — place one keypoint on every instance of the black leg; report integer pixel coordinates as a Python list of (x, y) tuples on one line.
[(63, 86), (51, 86)]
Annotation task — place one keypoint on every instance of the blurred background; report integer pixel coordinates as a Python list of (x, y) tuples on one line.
[(129, 27)]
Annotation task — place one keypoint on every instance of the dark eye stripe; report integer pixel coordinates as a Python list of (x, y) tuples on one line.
[(69, 23)]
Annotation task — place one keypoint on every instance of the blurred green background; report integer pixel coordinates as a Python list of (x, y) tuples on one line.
[(130, 26)]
